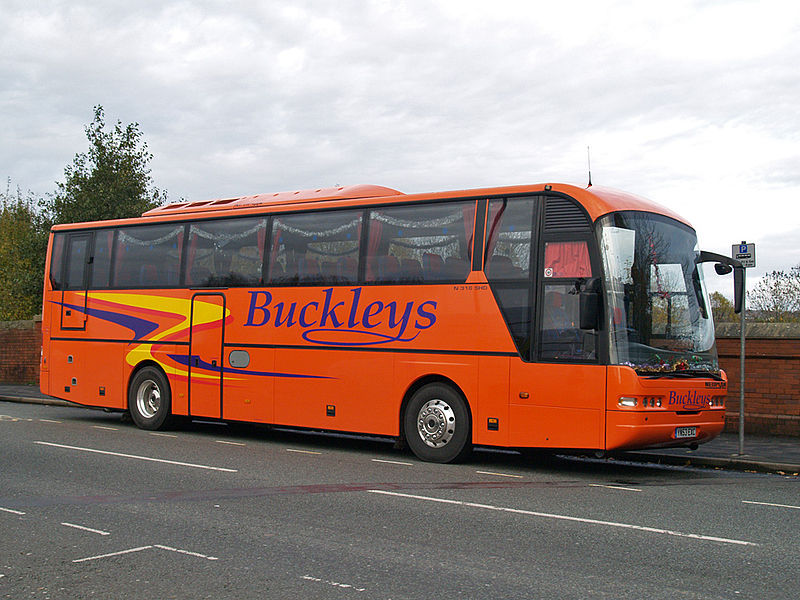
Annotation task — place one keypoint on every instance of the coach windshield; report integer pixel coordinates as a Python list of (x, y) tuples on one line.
[(659, 315)]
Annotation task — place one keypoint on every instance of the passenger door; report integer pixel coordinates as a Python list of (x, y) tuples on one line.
[(76, 281), (206, 339), (540, 255)]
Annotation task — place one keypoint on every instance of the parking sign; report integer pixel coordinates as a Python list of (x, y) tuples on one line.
[(744, 253)]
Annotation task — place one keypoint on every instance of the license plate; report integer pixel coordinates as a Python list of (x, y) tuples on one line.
[(685, 432)]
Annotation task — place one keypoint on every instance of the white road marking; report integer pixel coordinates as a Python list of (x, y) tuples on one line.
[(334, 583), (230, 443), (392, 462), (162, 434), (615, 487), (187, 552), (771, 504), (140, 548), (12, 511), (120, 553), (89, 529), (499, 474), (104, 427), (49, 421), (302, 451), (136, 457), (532, 513)]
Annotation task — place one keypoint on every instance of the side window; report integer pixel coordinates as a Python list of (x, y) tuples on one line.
[(147, 256), (566, 270), (420, 243), (57, 261), (225, 253), (101, 263), (508, 258), (319, 248), (508, 238), (77, 260)]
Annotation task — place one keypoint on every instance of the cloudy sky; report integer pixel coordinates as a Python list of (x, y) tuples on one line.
[(694, 104)]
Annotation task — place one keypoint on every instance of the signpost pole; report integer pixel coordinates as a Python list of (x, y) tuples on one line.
[(742, 319), (746, 254)]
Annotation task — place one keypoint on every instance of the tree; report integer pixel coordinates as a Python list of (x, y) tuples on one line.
[(776, 297), (110, 181), (722, 308), (23, 244)]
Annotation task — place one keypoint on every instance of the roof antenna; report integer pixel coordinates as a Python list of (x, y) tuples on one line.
[(589, 161)]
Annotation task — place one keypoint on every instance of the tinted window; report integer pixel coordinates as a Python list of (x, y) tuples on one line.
[(508, 238), (515, 302), (424, 242), (77, 253), (147, 256), (561, 336), (508, 259), (566, 267), (225, 253), (101, 265), (57, 260), (315, 248)]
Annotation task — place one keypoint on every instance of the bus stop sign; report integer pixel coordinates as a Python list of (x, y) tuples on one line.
[(744, 253)]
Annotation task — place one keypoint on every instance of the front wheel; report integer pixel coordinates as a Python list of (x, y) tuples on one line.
[(437, 424), (149, 399)]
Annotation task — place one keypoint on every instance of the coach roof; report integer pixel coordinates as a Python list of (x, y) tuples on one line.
[(597, 201)]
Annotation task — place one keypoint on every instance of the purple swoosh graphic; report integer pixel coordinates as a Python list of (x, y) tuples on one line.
[(140, 327), (183, 359)]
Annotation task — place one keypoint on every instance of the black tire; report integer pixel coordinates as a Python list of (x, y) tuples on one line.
[(150, 399), (437, 424)]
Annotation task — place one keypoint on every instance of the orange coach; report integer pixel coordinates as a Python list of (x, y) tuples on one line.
[(542, 316)]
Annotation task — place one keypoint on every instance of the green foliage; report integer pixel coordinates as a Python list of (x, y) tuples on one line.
[(722, 308), (23, 244), (111, 180), (776, 297)]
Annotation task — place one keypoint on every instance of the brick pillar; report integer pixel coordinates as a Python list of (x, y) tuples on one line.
[(20, 348)]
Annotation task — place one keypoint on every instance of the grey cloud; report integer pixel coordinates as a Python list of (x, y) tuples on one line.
[(238, 98)]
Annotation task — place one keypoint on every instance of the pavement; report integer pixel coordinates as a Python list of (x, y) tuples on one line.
[(763, 454)]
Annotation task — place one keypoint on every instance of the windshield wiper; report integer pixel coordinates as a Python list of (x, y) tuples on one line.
[(686, 374)]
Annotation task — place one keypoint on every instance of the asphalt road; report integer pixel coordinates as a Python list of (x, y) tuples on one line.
[(91, 507)]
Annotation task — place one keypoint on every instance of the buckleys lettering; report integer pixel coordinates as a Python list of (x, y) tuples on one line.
[(345, 322), (692, 399)]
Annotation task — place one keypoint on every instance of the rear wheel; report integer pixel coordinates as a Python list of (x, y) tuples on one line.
[(149, 399), (437, 424)]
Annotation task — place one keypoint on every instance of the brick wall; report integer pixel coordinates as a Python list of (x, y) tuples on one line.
[(772, 377), (20, 344), (772, 371)]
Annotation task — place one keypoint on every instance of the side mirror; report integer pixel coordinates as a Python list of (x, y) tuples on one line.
[(590, 306), (722, 269), (724, 266)]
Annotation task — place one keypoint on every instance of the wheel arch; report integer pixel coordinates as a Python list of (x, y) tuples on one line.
[(141, 365), (422, 382)]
